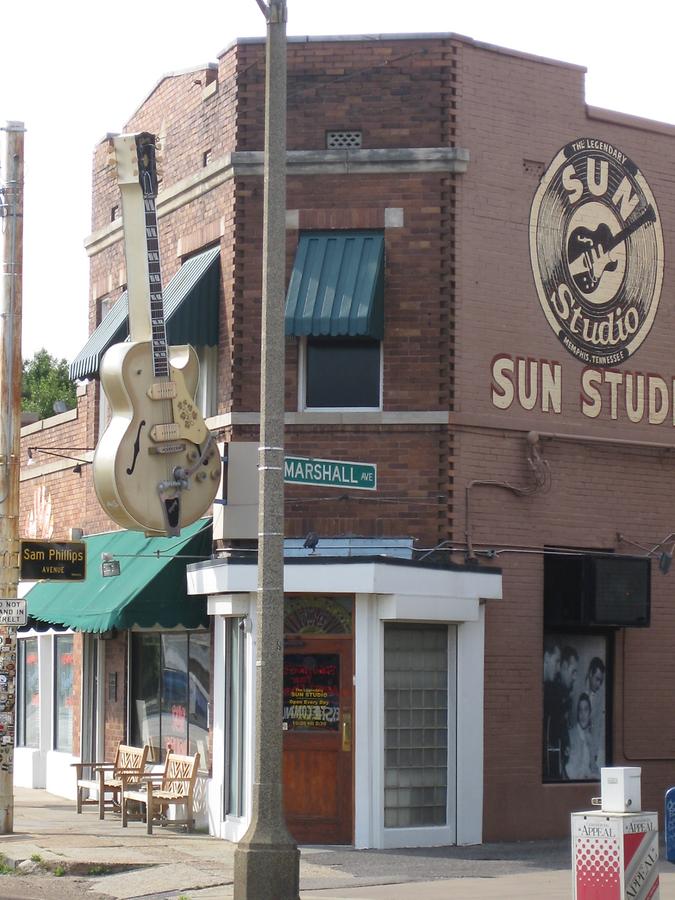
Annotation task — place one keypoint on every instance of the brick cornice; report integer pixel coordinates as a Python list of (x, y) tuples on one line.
[(445, 160)]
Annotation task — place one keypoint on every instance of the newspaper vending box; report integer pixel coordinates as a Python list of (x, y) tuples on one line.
[(615, 856)]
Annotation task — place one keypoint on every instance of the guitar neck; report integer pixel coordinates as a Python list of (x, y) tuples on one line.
[(160, 358), (647, 216)]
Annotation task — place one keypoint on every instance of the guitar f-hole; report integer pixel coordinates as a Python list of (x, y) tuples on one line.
[(137, 448)]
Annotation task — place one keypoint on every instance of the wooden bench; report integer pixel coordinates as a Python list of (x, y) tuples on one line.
[(110, 777), (176, 785)]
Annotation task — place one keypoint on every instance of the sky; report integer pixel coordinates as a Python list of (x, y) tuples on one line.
[(74, 71)]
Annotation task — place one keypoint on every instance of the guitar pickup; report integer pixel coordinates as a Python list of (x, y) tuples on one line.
[(168, 432), (166, 448), (162, 390)]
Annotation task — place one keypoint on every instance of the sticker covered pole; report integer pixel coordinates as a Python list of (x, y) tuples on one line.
[(11, 255)]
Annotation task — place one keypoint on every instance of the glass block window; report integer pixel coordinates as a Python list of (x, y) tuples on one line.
[(415, 725), (343, 140)]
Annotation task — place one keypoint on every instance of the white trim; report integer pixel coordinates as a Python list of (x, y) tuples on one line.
[(231, 828), (470, 737), (383, 593), (343, 417), (444, 589)]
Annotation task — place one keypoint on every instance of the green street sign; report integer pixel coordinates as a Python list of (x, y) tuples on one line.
[(330, 473), (53, 560)]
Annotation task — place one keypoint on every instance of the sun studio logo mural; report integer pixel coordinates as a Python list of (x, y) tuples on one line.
[(596, 250)]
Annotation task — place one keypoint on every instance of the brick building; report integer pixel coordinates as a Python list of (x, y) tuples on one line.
[(468, 643)]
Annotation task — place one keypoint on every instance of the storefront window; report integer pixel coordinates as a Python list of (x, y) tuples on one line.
[(574, 726), (170, 693), (64, 693), (416, 725), (28, 694)]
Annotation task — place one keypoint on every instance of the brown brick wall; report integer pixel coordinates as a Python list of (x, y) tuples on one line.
[(515, 113), (115, 710), (459, 292)]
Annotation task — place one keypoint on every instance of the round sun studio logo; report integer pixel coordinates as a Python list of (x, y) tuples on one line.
[(596, 249)]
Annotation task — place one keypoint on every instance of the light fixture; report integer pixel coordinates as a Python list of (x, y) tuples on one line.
[(61, 453)]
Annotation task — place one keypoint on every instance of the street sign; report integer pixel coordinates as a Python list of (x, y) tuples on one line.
[(330, 473), (12, 612), (53, 560)]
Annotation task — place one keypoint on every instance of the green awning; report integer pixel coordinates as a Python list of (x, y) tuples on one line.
[(337, 285), (191, 302), (151, 589)]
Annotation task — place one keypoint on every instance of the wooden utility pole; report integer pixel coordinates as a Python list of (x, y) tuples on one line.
[(11, 255), (267, 860)]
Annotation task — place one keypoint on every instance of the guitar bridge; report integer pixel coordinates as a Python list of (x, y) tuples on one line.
[(166, 448), (162, 390)]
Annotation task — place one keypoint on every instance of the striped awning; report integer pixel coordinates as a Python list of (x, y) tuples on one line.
[(190, 312), (337, 285)]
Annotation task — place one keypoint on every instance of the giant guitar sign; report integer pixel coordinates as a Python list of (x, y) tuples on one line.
[(156, 467)]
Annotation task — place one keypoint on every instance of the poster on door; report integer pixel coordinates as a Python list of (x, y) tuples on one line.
[(311, 692)]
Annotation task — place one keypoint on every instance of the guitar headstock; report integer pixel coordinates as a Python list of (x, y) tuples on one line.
[(146, 149), (135, 158), (124, 158)]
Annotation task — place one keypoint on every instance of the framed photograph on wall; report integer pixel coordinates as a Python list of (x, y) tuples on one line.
[(575, 674)]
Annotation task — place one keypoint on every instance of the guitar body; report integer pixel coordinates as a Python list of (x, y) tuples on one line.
[(156, 468), (589, 251)]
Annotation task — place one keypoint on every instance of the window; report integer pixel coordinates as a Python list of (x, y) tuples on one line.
[(575, 688), (64, 692), (170, 693), (234, 717), (415, 725), (342, 373), (28, 693), (335, 304), (207, 388)]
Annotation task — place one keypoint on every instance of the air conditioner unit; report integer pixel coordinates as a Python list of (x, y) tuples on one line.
[(597, 590), (235, 511)]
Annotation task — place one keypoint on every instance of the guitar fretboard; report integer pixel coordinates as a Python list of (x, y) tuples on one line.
[(160, 359)]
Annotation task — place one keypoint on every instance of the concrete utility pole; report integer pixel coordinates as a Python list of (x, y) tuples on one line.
[(267, 860), (11, 254)]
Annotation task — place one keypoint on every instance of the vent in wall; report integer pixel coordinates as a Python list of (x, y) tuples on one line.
[(533, 167), (341, 140)]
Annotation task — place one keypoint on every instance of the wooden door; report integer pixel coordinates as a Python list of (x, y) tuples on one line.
[(318, 739)]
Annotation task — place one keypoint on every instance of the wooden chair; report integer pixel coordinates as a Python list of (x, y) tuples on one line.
[(176, 785), (110, 777)]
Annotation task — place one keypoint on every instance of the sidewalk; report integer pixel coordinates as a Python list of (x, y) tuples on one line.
[(128, 863)]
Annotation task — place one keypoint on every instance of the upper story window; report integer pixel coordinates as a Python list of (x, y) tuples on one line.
[(342, 373), (335, 302)]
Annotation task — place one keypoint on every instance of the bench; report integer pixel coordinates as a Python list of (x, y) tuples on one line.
[(110, 777), (175, 787)]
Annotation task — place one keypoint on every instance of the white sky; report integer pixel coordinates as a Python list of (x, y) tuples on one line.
[(72, 71)]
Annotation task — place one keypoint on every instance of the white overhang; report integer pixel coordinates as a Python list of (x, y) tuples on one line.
[(408, 590)]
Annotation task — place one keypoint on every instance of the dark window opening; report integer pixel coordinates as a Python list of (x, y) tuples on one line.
[(342, 373)]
